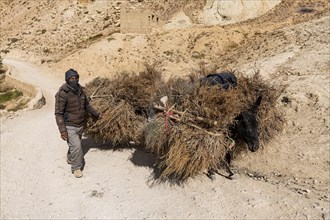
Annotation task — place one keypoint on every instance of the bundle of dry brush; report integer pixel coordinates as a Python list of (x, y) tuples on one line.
[(124, 101), (192, 132)]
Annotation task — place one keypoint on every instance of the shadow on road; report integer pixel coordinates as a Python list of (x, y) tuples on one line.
[(140, 157)]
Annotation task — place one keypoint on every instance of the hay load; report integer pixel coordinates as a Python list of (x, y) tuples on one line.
[(186, 123), (124, 102)]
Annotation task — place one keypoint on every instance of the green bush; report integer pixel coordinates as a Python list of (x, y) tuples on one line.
[(10, 95)]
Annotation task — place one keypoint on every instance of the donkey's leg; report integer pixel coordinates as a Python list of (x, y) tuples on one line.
[(229, 171), (210, 173), (228, 158)]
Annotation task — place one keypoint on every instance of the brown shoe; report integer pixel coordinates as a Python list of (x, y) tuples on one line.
[(77, 173)]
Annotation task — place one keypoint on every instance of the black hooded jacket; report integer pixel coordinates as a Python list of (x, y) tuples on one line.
[(72, 108)]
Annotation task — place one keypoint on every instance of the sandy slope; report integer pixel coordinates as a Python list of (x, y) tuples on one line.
[(298, 56)]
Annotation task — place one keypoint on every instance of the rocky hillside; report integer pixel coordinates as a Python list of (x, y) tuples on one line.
[(54, 29), (55, 33)]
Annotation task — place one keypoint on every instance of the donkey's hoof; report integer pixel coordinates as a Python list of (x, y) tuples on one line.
[(231, 174), (211, 176)]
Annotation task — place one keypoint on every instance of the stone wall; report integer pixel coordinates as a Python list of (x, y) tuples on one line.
[(139, 21)]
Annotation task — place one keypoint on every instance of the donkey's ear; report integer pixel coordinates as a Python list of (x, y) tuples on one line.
[(256, 105)]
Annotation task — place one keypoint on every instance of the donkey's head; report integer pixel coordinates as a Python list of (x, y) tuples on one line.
[(246, 127)]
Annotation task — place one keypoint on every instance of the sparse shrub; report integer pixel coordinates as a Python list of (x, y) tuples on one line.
[(95, 37), (168, 53), (106, 26), (306, 10), (232, 45), (111, 38), (13, 40), (4, 51), (46, 50), (197, 55)]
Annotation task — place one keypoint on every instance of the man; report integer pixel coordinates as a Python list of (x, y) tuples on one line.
[(72, 109)]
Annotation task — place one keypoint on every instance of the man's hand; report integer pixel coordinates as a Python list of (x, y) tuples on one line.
[(64, 135)]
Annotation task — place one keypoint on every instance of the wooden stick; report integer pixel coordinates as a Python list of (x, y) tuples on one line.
[(182, 113), (195, 126), (97, 89), (202, 129), (101, 96)]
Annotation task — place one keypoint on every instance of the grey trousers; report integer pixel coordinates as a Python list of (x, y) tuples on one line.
[(75, 152)]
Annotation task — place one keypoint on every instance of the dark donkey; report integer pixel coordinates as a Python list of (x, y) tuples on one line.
[(246, 124), (245, 129)]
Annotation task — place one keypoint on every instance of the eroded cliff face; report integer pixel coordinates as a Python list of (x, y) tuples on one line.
[(48, 31), (217, 12), (228, 12)]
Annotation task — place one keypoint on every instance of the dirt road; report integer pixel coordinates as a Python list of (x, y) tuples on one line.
[(36, 182)]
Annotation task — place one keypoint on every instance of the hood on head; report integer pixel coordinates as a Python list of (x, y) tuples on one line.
[(70, 73)]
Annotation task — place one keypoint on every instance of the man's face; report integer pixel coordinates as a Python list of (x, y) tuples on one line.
[(73, 78), (73, 82)]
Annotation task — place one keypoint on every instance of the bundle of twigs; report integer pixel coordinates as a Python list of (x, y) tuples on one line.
[(182, 149), (124, 101), (192, 136), (119, 124), (190, 132)]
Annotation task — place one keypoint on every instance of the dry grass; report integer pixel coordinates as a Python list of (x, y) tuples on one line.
[(191, 152), (120, 123), (192, 137), (124, 102)]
